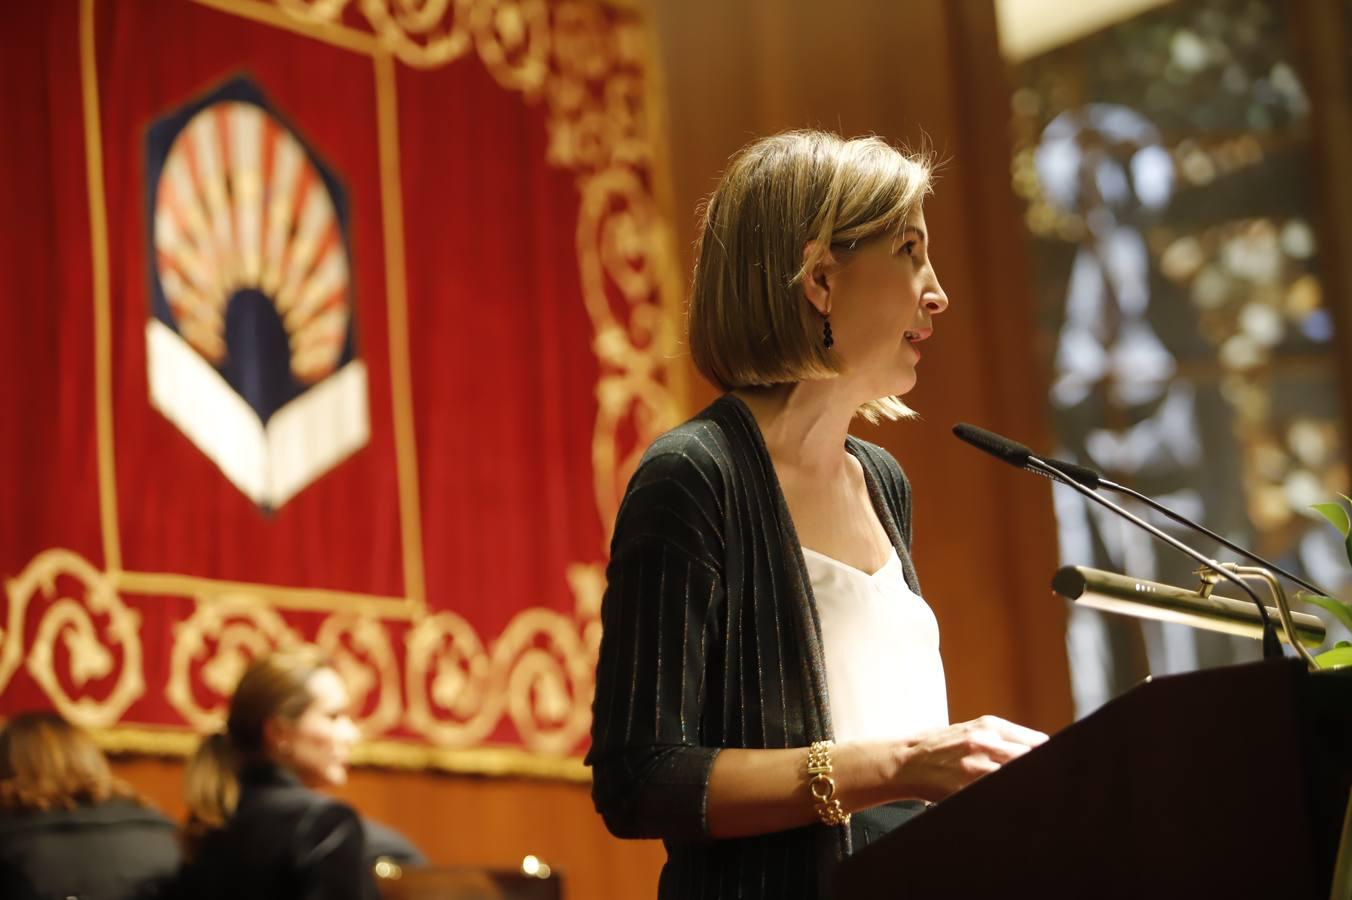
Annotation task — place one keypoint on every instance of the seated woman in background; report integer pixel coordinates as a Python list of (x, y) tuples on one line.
[(289, 731), (211, 791), (67, 827)]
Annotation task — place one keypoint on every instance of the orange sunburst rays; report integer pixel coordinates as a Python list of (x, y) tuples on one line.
[(240, 205)]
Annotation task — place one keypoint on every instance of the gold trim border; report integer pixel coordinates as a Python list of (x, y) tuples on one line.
[(396, 314), (299, 599), (98, 241), (386, 754)]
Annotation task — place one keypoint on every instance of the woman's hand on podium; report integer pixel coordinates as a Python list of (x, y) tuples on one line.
[(935, 764)]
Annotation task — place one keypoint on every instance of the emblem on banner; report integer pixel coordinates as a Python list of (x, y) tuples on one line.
[(250, 340)]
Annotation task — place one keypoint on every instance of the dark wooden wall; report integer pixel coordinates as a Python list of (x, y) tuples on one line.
[(985, 545)]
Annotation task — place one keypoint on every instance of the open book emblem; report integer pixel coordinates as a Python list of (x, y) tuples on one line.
[(250, 342)]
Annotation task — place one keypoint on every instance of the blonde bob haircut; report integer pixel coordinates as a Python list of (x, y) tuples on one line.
[(750, 324)]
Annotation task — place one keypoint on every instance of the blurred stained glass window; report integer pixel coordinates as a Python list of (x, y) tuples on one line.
[(1164, 164)]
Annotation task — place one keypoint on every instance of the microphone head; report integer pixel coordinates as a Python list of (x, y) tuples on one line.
[(1018, 455), (1000, 447)]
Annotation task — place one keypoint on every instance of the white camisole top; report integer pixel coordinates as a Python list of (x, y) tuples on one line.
[(881, 643)]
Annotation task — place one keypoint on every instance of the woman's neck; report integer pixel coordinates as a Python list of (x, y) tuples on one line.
[(804, 425)]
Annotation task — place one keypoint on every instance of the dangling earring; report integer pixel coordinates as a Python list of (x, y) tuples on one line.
[(827, 340)]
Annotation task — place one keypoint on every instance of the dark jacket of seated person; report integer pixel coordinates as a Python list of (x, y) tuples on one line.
[(211, 787), (283, 841), (67, 827), (256, 827), (384, 842)]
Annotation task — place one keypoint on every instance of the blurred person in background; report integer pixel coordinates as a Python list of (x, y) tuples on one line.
[(769, 692), (211, 793), (68, 828), (267, 834)]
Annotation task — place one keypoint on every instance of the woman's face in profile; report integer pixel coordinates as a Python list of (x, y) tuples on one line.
[(884, 299), (321, 740)]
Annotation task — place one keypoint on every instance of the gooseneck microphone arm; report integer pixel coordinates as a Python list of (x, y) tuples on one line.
[(1093, 479), (1272, 647), (1021, 457), (1202, 529)]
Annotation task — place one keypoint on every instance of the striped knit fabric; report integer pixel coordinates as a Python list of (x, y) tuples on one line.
[(711, 640)]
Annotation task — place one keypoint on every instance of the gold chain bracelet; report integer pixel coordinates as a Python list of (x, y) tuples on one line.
[(823, 786)]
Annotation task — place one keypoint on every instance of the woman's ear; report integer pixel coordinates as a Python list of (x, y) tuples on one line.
[(277, 737), (817, 276)]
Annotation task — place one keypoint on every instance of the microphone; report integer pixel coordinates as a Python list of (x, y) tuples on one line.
[(1021, 457), (1018, 455)]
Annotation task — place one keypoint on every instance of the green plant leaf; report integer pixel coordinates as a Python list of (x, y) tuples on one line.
[(1340, 610), (1335, 658), (1336, 515)]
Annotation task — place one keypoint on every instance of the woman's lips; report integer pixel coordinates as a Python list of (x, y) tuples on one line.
[(915, 337)]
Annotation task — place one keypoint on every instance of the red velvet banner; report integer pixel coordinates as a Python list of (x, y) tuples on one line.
[(327, 320)]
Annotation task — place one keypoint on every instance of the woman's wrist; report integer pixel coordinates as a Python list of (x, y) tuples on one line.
[(870, 773), (821, 784), (896, 759)]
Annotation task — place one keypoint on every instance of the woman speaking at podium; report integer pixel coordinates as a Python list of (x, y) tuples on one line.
[(769, 693)]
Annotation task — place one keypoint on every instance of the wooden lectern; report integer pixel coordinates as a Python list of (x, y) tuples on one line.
[(1232, 782)]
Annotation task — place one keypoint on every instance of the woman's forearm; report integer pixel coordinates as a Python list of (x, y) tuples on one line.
[(761, 791)]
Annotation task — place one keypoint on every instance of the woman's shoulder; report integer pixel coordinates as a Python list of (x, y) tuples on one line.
[(280, 819), (697, 459), (113, 812), (270, 793), (59, 850), (700, 443), (883, 467), (875, 455), (681, 486)]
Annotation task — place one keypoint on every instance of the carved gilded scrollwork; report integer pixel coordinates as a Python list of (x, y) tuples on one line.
[(314, 10), (513, 40), (217, 642), (453, 697), (420, 33), (539, 672), (588, 584), (76, 638), (549, 679), (360, 649), (585, 45)]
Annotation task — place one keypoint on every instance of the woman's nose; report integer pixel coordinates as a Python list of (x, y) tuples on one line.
[(935, 300)]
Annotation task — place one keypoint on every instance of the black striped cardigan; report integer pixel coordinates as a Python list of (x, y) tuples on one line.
[(711, 640)]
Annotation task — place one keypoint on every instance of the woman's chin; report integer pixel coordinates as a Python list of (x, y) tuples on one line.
[(904, 383)]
